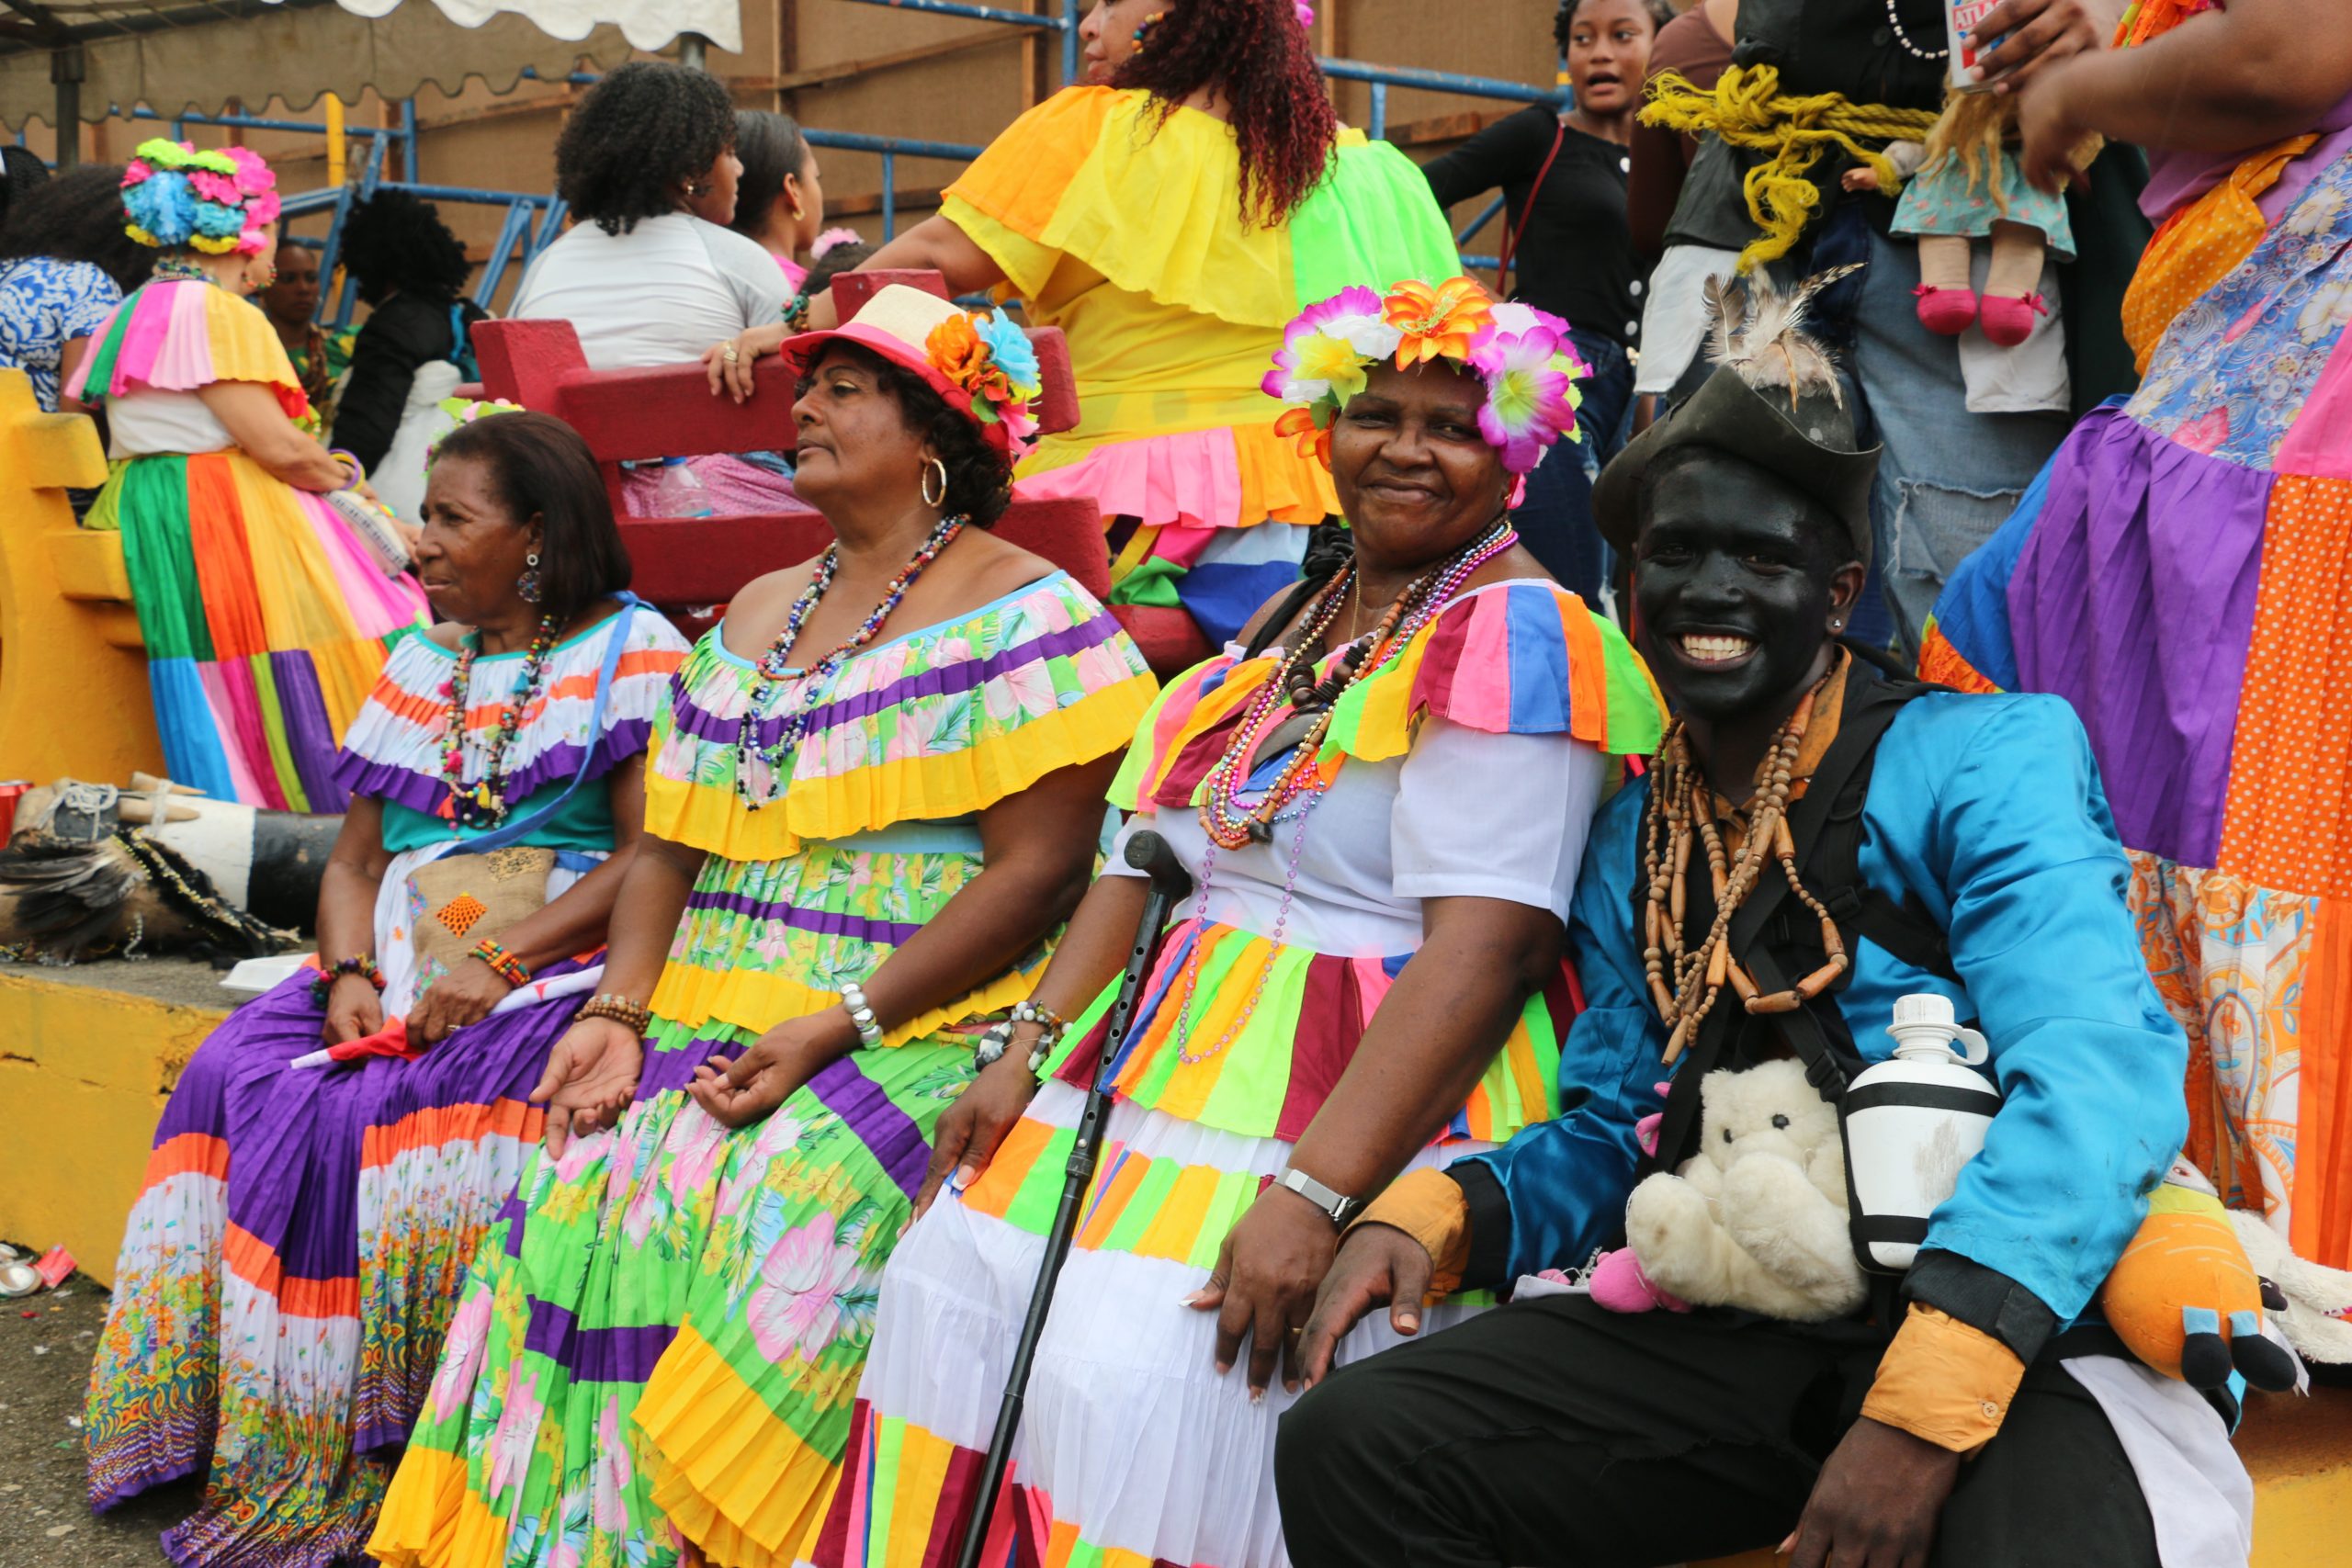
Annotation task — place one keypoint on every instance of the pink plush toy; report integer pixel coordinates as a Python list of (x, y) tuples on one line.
[(1616, 1280)]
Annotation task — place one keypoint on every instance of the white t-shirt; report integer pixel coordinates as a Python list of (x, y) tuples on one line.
[(660, 294)]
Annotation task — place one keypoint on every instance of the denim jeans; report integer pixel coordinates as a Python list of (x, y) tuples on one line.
[(1948, 478), (1555, 520)]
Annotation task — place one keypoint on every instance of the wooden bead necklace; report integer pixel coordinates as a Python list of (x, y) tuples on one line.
[(1681, 809), (483, 802), (774, 666)]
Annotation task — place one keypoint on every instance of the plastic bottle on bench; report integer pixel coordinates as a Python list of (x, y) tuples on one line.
[(1911, 1123), (679, 492)]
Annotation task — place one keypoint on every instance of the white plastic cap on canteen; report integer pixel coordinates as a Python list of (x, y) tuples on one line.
[(1924, 1008)]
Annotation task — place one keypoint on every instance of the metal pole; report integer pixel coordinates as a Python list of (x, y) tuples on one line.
[(889, 196), (66, 70), (1070, 43), (691, 48)]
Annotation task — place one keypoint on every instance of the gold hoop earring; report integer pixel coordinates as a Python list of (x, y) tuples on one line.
[(940, 468)]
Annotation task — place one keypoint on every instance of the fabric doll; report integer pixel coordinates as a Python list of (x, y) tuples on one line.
[(1968, 187)]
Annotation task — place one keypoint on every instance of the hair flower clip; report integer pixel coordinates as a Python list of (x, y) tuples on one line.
[(832, 237), (987, 356), (217, 201), (463, 411)]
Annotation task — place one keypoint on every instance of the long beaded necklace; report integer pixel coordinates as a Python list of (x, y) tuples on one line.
[(483, 802), (1231, 827), (1681, 808), (774, 666)]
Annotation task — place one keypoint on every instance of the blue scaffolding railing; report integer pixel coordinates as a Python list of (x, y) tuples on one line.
[(533, 220)]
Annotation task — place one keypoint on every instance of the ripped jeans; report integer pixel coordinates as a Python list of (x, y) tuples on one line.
[(1948, 478)]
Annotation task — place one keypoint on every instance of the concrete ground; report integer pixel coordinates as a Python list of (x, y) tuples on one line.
[(44, 1517)]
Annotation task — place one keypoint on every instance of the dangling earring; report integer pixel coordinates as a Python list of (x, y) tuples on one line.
[(1147, 25), (526, 587), (929, 499)]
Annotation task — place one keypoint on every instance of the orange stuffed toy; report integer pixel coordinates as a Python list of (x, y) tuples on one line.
[(2184, 1298)]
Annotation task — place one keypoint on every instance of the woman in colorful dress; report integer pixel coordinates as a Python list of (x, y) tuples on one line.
[(1382, 797), (265, 616), (1171, 220), (874, 794), (290, 1271), (2177, 572)]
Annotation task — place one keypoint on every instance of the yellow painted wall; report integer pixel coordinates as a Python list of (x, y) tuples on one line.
[(83, 1074)]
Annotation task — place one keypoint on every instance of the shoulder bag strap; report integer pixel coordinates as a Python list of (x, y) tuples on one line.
[(1518, 229), (499, 838)]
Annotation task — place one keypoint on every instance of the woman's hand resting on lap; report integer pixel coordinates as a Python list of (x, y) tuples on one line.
[(590, 1079), (465, 994), (738, 1093), (1264, 1284), (972, 1129), (354, 1010)]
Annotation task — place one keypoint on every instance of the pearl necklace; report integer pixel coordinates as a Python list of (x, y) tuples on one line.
[(483, 804), (772, 666), (1909, 45)]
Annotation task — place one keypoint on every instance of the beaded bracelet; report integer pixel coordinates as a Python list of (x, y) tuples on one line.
[(869, 1031), (359, 470), (504, 964), (795, 313), (619, 1009), (358, 964), (998, 1038)]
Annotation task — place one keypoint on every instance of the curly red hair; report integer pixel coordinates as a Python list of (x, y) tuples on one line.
[(1254, 55)]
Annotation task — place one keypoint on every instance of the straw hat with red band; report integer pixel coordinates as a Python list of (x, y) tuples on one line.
[(979, 361)]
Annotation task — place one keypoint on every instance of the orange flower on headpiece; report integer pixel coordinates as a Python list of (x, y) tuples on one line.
[(961, 355), (1437, 323), (1314, 440)]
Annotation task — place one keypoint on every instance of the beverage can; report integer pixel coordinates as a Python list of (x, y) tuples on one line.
[(9, 790), (1959, 17)]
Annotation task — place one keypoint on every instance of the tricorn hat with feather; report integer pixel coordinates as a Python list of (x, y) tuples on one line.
[(1772, 398)]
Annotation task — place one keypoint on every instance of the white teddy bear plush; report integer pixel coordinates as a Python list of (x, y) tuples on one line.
[(1757, 1218)]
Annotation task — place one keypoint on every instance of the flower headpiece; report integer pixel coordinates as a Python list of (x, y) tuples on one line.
[(463, 411), (1522, 353), (217, 201), (987, 356), (832, 237)]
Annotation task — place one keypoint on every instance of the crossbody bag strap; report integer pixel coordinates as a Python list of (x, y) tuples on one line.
[(499, 838), (1518, 229)]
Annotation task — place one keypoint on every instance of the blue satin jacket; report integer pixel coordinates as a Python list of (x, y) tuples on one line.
[(1988, 810)]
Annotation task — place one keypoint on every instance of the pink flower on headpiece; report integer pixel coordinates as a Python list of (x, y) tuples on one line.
[(138, 169), (254, 174), (1304, 12), (1531, 396)]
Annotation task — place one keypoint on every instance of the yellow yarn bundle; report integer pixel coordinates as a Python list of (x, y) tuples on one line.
[(1747, 110)]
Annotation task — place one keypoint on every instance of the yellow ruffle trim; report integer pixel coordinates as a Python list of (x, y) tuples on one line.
[(1154, 209), (920, 789), (735, 1481), (753, 1000), (431, 1520), (245, 347)]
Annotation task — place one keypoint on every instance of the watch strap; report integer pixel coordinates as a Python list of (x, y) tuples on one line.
[(1336, 1205)]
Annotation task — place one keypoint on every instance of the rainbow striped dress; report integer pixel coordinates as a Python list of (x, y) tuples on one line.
[(1125, 230), (288, 1273), (266, 620), (541, 1442), (1469, 767)]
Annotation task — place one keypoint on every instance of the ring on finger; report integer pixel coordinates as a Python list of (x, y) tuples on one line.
[(732, 353)]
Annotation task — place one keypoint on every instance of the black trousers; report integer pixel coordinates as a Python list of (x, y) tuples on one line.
[(1551, 1434)]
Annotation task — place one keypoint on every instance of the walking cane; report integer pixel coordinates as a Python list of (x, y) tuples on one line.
[(1149, 854)]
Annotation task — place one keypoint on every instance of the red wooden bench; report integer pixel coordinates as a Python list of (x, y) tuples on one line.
[(689, 564)]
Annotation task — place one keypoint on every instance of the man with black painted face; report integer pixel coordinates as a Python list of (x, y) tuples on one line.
[(1943, 843)]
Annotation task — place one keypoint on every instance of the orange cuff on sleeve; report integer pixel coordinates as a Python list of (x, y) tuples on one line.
[(1428, 1206), (1944, 1381)]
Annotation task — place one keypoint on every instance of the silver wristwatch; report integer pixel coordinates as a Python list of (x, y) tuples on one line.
[(1338, 1205)]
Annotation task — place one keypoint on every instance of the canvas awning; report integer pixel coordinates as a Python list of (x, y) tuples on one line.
[(183, 56)]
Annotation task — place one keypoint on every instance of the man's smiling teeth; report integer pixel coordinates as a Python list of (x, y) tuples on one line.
[(1716, 650)]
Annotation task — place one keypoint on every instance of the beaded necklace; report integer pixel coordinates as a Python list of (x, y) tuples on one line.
[(773, 666), (483, 802), (1909, 45), (173, 269), (1228, 825), (1681, 808)]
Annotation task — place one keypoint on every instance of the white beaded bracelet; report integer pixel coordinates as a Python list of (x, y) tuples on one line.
[(869, 1033)]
